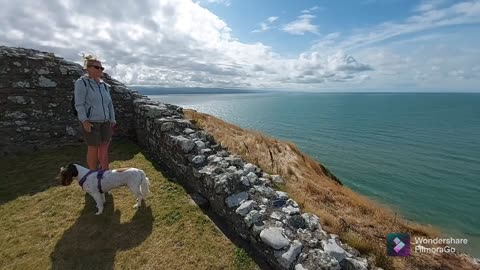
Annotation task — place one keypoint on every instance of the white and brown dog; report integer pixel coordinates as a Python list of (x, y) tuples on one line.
[(96, 182)]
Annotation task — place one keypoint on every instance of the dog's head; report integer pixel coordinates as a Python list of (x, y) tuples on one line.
[(67, 174)]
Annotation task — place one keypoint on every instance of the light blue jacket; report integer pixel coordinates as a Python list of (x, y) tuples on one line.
[(93, 101)]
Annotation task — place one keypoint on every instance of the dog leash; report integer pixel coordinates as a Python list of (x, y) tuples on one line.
[(99, 178)]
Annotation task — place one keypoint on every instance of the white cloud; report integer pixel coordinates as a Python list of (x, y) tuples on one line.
[(167, 43), (313, 67), (221, 2), (301, 25), (15, 34), (439, 62), (265, 25), (418, 52), (272, 19), (467, 12), (180, 43), (311, 9), (427, 5)]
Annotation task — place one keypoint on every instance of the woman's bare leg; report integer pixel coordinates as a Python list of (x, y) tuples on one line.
[(92, 159), (103, 155)]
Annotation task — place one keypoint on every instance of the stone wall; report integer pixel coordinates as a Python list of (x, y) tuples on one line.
[(35, 92), (240, 192), (35, 109)]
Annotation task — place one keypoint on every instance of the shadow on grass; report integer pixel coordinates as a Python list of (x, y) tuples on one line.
[(30, 173), (121, 149), (93, 241)]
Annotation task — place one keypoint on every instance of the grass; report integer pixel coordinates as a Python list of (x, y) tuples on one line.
[(358, 220), (48, 226)]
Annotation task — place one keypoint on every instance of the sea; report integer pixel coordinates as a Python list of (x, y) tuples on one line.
[(418, 153)]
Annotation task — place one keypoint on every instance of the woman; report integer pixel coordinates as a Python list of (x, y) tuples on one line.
[(95, 113)]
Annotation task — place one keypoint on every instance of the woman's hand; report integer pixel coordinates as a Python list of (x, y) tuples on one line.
[(112, 124), (87, 125)]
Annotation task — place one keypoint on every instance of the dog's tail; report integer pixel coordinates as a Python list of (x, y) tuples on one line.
[(144, 184)]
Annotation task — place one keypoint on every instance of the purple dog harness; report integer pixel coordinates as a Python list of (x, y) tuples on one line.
[(99, 179)]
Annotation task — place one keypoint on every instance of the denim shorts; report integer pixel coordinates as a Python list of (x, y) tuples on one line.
[(100, 132)]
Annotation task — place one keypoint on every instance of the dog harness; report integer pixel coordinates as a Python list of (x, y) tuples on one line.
[(99, 179)]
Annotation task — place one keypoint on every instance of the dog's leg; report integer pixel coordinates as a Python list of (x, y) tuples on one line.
[(136, 190), (134, 187), (103, 197), (139, 200), (99, 200)]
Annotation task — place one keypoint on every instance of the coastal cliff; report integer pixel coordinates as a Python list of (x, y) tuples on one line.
[(314, 223), (357, 220)]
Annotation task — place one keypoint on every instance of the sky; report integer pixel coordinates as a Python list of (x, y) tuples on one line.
[(362, 45)]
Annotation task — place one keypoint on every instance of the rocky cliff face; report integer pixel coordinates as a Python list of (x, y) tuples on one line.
[(35, 92)]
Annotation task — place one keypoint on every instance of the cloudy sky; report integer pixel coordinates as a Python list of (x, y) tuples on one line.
[(364, 45)]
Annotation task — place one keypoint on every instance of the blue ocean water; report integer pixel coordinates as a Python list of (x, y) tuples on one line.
[(419, 153)]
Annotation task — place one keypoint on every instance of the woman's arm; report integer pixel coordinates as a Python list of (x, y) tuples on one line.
[(111, 111), (80, 93)]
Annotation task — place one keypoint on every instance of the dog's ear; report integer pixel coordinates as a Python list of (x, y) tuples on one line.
[(65, 175), (59, 175), (71, 167)]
